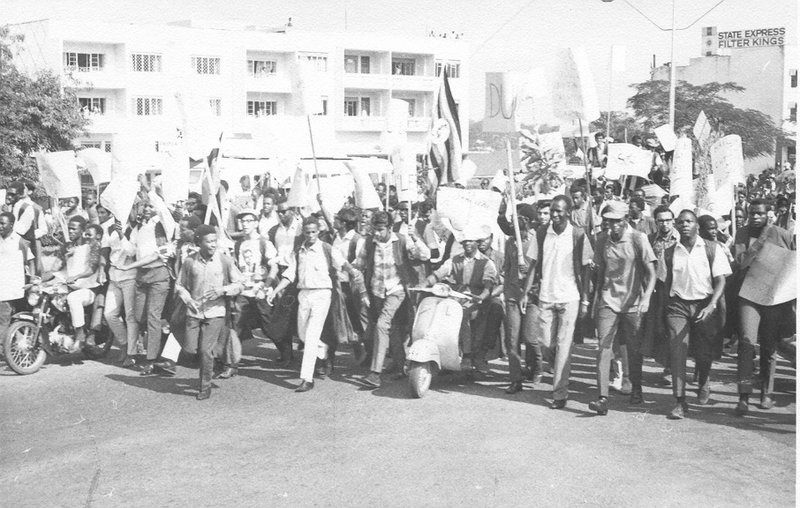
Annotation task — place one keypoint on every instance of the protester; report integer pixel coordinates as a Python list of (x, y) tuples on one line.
[(15, 258), (121, 293)]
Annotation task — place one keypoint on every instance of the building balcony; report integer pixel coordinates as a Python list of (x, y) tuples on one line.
[(419, 124), (95, 79), (414, 83), (268, 84), (107, 123), (362, 123), (366, 81)]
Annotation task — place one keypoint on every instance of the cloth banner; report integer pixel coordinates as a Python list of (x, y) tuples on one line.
[(97, 163), (681, 173), (702, 129), (627, 159), (771, 279), (119, 196), (365, 194), (501, 103), (666, 136), (468, 210), (573, 91), (653, 193), (298, 194), (59, 174)]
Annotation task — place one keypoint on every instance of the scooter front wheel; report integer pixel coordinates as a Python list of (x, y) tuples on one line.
[(419, 378), (22, 348)]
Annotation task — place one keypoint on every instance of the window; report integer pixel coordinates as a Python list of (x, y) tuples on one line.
[(319, 62), (84, 62), (262, 108), (709, 30), (357, 106), (262, 68), (403, 66), (324, 108), (206, 64), (142, 62), (453, 69), (92, 105), (216, 106), (793, 79), (356, 64), (100, 145), (148, 106), (793, 113), (709, 53)]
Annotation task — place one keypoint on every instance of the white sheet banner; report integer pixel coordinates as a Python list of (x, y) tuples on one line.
[(119, 196), (59, 174), (97, 163), (468, 209), (727, 161), (627, 159), (666, 136), (681, 174), (573, 91)]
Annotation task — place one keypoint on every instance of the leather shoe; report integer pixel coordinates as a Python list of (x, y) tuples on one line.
[(204, 394), (766, 402), (128, 362), (373, 380), (704, 394), (228, 373), (742, 408), (677, 413), (304, 386), (516, 387), (147, 370), (165, 364), (599, 406), (636, 395), (558, 404)]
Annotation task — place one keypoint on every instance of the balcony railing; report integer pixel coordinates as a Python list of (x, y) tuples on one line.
[(363, 123)]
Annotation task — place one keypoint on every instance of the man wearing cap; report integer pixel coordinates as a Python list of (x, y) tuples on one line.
[(625, 279), (386, 263), (256, 258), (473, 273)]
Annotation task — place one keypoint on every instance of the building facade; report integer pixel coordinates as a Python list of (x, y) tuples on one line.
[(759, 61), (140, 83)]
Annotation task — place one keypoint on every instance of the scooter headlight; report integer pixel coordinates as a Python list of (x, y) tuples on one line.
[(34, 296)]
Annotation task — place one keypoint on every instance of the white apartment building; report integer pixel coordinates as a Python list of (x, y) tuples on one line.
[(134, 81), (758, 60)]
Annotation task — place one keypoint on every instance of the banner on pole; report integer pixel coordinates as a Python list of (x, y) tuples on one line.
[(119, 196), (365, 194), (573, 91), (59, 174), (468, 209), (298, 194), (666, 136), (681, 174), (501, 103), (627, 159), (727, 161), (175, 174), (97, 163), (702, 129)]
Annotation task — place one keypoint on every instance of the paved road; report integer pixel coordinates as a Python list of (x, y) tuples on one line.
[(93, 434)]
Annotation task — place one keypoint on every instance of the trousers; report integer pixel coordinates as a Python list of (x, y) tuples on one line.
[(555, 323), (629, 325), (76, 301), (121, 296), (521, 328), (152, 288), (383, 313), (203, 337), (313, 306), (682, 328), (755, 320)]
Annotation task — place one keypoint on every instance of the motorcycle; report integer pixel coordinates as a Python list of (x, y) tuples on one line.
[(47, 329), (435, 336)]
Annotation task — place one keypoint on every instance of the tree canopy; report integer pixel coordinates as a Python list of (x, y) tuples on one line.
[(650, 105), (36, 113)]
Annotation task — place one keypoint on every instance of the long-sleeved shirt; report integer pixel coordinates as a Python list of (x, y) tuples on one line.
[(144, 237), (199, 275)]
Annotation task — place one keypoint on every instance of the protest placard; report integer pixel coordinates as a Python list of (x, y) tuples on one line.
[(573, 92), (59, 174), (501, 103), (771, 278), (681, 174), (702, 129), (473, 208), (298, 194), (552, 145), (666, 136), (727, 161), (627, 159), (119, 196), (97, 163), (365, 194)]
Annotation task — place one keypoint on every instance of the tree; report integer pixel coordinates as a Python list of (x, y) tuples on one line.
[(650, 104), (36, 114), (623, 126)]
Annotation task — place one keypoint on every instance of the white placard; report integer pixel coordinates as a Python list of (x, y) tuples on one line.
[(666, 136), (702, 129), (573, 91), (59, 174), (366, 196), (627, 159), (468, 208), (501, 103), (727, 161), (97, 163), (119, 196), (681, 174)]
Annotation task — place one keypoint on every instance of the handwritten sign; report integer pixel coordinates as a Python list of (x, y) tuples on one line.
[(771, 279), (501, 103), (573, 92), (59, 174), (702, 129), (627, 159), (727, 161), (681, 173), (468, 209), (666, 136)]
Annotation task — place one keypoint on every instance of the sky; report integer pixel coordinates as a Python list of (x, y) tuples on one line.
[(502, 35)]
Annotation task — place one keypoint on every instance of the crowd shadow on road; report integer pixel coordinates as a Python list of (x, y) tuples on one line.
[(159, 384)]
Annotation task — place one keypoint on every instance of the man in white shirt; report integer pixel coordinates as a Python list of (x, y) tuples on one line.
[(15, 255), (269, 216), (694, 273)]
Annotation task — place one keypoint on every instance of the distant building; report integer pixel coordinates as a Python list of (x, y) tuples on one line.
[(136, 81), (759, 61)]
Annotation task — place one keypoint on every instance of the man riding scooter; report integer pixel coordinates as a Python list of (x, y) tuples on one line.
[(81, 274), (472, 273)]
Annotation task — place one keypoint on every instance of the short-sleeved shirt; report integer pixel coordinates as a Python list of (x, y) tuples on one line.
[(14, 251), (312, 270), (198, 275), (559, 284), (692, 277), (622, 263)]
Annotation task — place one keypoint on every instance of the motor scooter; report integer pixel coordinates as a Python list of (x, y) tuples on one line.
[(435, 336), (47, 329)]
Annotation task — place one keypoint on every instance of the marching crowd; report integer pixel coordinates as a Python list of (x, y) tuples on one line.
[(643, 280)]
